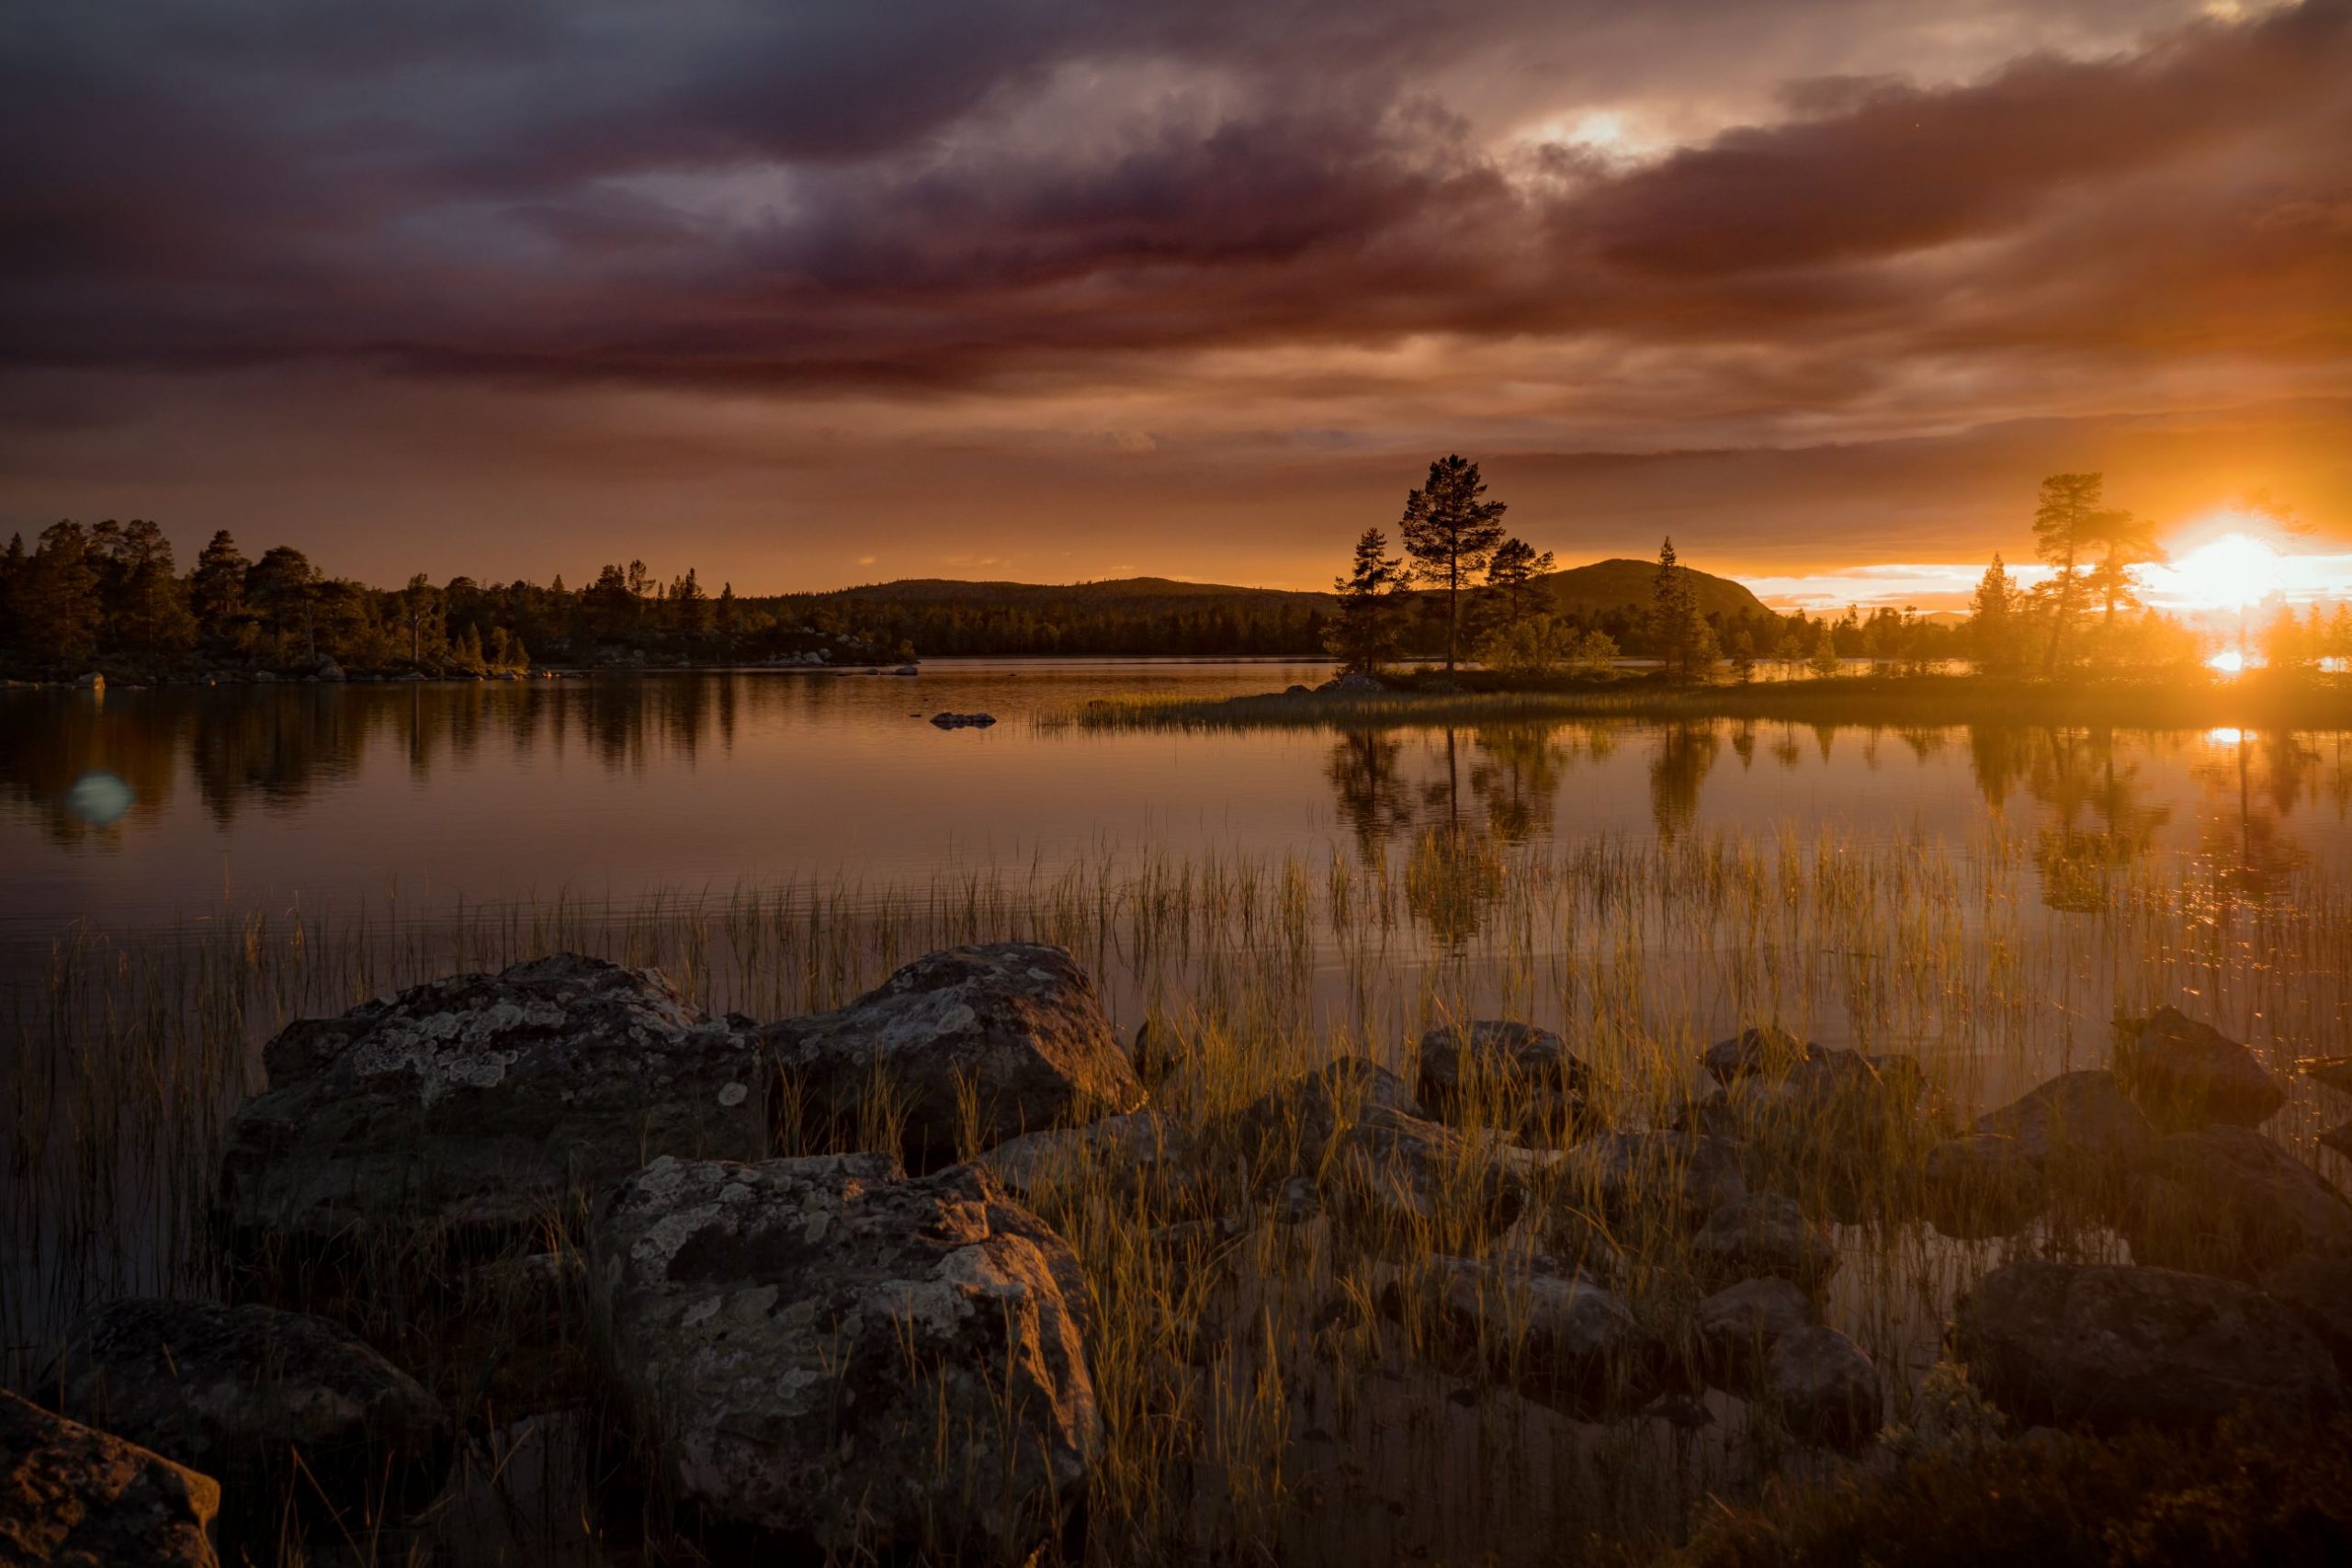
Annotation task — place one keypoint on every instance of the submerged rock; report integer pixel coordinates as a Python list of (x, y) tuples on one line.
[(478, 1104), (1503, 1074), (1824, 1388), (984, 1043), (963, 720), (823, 1348), (247, 1393), (2110, 1346), (1738, 1325), (2184, 1072), (2225, 1200), (80, 1498)]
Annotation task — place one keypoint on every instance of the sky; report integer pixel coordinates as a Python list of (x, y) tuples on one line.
[(812, 294)]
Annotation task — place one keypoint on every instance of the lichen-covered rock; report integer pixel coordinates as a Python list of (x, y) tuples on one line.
[(2225, 1200), (1763, 1233), (1679, 1177), (1125, 1157), (80, 1498), (475, 1106), (2184, 1072), (2080, 1130), (861, 1362), (1738, 1325), (1503, 1074), (1824, 1388), (239, 1392), (2110, 1346), (1981, 1185), (1391, 1179), (1550, 1331), (981, 1043)]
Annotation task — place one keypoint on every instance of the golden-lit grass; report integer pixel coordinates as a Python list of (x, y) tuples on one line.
[(1270, 1389)]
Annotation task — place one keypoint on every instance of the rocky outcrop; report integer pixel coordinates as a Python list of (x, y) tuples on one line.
[(1679, 1177), (239, 1392), (2225, 1200), (477, 1105), (1548, 1331), (984, 1043), (1824, 1388), (963, 720), (1980, 1186), (1503, 1074), (1763, 1233), (79, 1498), (2184, 1073), (2058, 1344), (857, 1361), (1390, 1177), (1738, 1325)]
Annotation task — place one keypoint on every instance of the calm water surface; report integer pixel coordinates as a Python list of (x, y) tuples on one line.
[(143, 809)]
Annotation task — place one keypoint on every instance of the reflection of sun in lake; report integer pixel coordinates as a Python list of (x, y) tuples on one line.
[(2226, 737)]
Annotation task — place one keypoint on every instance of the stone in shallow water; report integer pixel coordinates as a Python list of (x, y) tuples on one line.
[(984, 1043), (825, 1348), (1504, 1074), (1681, 1177), (2225, 1200), (2184, 1072), (2112, 1345), (477, 1105), (1824, 1388), (1763, 1234), (1981, 1185), (81, 1498), (1554, 1333)]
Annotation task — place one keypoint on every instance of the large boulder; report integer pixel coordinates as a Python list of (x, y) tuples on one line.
[(2109, 1346), (2184, 1072), (2225, 1200), (973, 1044), (1547, 1330), (80, 1498), (1138, 1157), (1679, 1177), (2317, 1287), (1824, 1388), (1393, 1178), (1763, 1233), (252, 1395), (1738, 1325), (2080, 1132), (473, 1107), (860, 1362), (1504, 1074)]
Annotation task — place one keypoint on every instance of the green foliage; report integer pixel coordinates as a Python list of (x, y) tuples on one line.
[(1546, 645)]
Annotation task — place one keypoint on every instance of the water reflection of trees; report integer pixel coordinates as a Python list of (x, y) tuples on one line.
[(277, 746), (2100, 820)]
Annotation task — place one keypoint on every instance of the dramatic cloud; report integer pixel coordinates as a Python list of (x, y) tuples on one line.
[(1057, 242)]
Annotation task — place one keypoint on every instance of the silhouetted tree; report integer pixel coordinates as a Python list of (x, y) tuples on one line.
[(1364, 634), (216, 593), (2066, 524), (1449, 531), (2125, 541), (282, 588), (56, 597), (1510, 580), (1684, 642), (1992, 623)]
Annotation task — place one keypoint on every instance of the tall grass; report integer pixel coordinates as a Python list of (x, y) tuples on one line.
[(1265, 1396)]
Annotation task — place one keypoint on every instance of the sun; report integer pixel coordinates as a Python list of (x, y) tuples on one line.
[(2229, 573)]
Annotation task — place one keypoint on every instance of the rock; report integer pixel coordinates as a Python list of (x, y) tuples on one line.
[(79, 1498), (1548, 1331), (1505, 1074), (1980, 1186), (1763, 1234), (2225, 1200), (91, 681), (1132, 1158), (2109, 1346), (330, 671), (1824, 1388), (2081, 1132), (521, 1494), (989, 1042), (1738, 1325), (265, 677), (2316, 1285), (238, 1392), (1757, 1049), (2339, 1138), (1387, 1175), (863, 1363), (2184, 1073), (963, 720), (2333, 1073), (1354, 681), (1679, 1175), (906, 669), (475, 1106), (1299, 690)]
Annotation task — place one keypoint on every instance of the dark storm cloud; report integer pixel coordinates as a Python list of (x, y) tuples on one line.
[(830, 193)]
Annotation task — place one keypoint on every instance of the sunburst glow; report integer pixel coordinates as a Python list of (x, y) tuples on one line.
[(2231, 572)]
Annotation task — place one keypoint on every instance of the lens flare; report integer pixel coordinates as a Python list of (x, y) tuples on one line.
[(2228, 574)]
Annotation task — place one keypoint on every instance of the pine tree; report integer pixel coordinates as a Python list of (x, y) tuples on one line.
[(1511, 580), (1684, 643), (1364, 633), (216, 593), (1448, 532), (2125, 542), (1824, 652), (1992, 626), (2066, 523), (57, 609)]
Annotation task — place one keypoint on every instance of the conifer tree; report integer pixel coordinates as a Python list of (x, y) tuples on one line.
[(1364, 634), (1450, 531)]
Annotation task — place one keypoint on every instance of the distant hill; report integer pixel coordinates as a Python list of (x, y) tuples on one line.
[(1621, 584), (1110, 591)]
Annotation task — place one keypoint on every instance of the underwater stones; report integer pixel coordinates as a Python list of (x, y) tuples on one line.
[(2184, 1072), (249, 1395), (1824, 1388), (72, 1495), (986, 1043), (853, 1360), (1502, 1073), (2111, 1346), (478, 1104)]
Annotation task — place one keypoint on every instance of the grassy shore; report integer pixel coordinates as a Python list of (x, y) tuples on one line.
[(2195, 699)]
